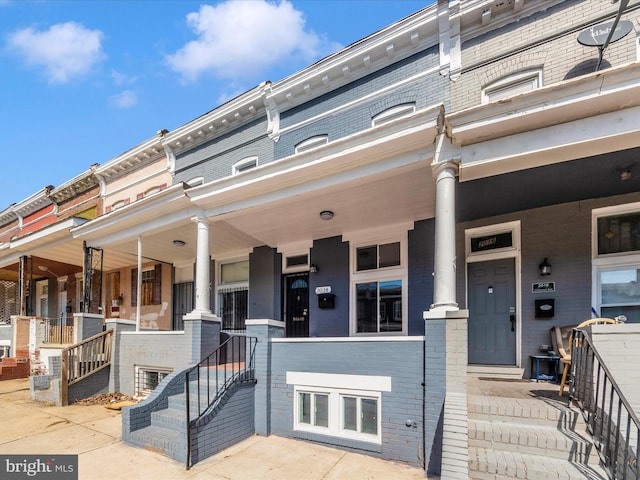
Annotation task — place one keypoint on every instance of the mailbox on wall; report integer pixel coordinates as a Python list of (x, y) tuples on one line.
[(326, 300), (545, 308)]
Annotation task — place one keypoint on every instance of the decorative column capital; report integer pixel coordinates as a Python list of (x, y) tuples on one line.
[(449, 167)]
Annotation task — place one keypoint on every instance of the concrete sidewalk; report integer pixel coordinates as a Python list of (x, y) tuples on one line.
[(94, 433)]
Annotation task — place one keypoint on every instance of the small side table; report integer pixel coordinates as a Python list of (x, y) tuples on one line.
[(554, 365)]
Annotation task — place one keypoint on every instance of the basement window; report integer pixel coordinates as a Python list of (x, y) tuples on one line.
[(148, 378)]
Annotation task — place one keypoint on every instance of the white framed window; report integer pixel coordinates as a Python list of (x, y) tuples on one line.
[(311, 143), (616, 261), (345, 406), (233, 294), (148, 378), (379, 286), (393, 113), (244, 165), (512, 85)]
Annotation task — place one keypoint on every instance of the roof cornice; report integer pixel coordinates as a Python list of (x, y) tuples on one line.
[(33, 203), (480, 16), (75, 186), (402, 39), (236, 112), (138, 156)]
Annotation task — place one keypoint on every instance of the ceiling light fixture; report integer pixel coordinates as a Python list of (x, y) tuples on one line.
[(179, 243), (326, 215)]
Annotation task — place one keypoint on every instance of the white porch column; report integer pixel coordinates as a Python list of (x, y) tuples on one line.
[(444, 283), (202, 285)]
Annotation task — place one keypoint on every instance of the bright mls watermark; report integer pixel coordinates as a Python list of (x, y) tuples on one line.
[(50, 467)]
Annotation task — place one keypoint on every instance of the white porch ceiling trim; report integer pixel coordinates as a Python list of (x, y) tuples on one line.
[(575, 99), (162, 208), (578, 139), (405, 142)]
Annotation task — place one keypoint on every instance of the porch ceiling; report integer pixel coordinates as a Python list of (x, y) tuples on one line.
[(402, 195)]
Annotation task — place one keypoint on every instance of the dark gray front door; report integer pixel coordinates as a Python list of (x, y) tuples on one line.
[(492, 315)]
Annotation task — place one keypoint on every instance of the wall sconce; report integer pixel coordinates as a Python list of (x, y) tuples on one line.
[(120, 299), (326, 215), (313, 268), (545, 267)]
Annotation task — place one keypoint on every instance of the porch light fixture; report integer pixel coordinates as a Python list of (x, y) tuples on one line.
[(313, 268), (545, 267), (44, 268), (179, 243), (326, 215)]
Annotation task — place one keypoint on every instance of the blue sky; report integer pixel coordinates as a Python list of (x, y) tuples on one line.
[(82, 81)]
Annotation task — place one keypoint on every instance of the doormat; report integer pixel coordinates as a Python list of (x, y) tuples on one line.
[(495, 379)]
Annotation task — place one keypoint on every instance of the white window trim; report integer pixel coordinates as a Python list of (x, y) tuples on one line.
[(609, 261), (393, 113), (140, 370), (337, 386), (379, 275), (311, 143), (511, 81), (245, 164), (195, 181)]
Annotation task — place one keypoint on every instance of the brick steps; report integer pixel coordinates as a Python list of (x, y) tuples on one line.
[(12, 368), (495, 464), (528, 437), (165, 441)]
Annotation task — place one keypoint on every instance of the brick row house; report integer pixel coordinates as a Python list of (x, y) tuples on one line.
[(378, 221)]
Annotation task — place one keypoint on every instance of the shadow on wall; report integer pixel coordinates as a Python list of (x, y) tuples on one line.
[(586, 67)]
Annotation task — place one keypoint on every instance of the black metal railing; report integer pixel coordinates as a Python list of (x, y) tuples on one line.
[(611, 420), (231, 363)]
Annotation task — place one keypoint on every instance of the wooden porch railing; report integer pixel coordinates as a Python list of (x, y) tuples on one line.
[(84, 359), (58, 330)]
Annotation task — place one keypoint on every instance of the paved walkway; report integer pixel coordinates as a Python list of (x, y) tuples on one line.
[(94, 433)]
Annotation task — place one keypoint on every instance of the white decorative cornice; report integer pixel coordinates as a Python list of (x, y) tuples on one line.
[(476, 17), (229, 116), (75, 186), (400, 40), (138, 156), (32, 204)]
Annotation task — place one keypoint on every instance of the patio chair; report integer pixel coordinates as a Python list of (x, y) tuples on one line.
[(565, 358)]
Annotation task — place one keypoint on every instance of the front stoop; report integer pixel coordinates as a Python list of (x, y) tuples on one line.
[(530, 438)]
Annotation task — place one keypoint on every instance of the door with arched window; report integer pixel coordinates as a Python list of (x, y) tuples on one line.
[(296, 304)]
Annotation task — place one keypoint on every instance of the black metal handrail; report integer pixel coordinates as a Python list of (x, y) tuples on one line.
[(232, 362), (605, 409)]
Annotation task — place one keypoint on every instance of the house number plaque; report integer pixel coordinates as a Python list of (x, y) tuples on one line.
[(543, 287)]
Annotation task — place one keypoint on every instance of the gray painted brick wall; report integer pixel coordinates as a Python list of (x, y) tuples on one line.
[(150, 350), (214, 159), (230, 422), (546, 39), (424, 92), (562, 233), (401, 360)]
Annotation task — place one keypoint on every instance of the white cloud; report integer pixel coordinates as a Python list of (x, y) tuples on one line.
[(65, 50), (121, 78), (240, 39), (124, 99)]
